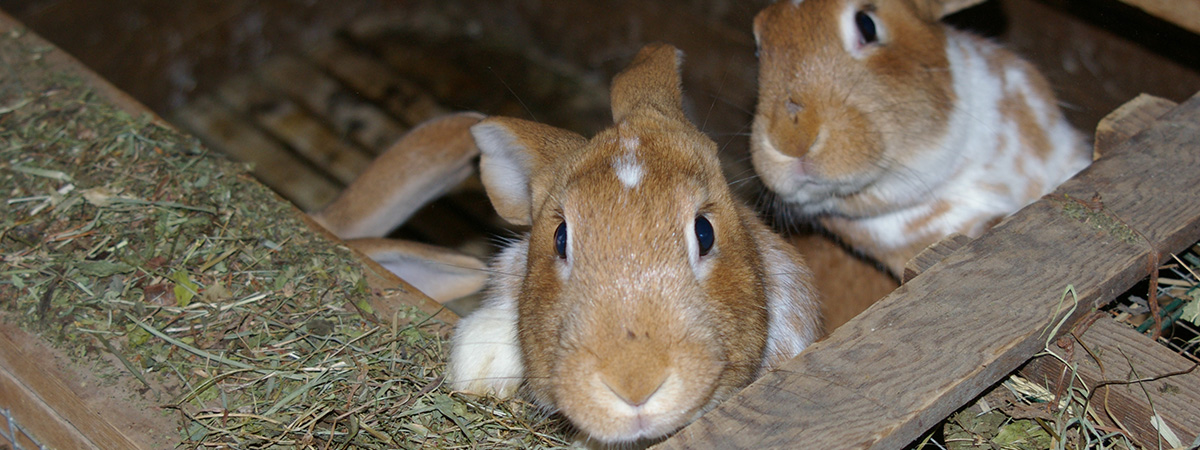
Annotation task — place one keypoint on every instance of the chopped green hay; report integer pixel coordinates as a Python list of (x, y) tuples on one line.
[(120, 236)]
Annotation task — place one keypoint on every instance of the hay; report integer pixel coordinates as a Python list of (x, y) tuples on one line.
[(1021, 414), (125, 237)]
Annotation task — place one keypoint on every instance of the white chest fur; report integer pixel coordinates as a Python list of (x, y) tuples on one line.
[(1006, 145)]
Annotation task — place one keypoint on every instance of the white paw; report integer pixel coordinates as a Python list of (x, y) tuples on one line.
[(485, 357)]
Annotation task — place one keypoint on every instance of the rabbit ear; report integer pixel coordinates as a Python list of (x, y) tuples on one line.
[(933, 10), (440, 273), (514, 153), (651, 81)]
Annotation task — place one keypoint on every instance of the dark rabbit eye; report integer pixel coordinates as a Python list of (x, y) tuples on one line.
[(705, 236), (866, 27), (560, 240)]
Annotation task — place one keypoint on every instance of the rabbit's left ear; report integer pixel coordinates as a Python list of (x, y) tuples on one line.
[(513, 165), (651, 81), (440, 273)]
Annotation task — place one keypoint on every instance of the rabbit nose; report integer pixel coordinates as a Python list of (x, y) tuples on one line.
[(635, 388)]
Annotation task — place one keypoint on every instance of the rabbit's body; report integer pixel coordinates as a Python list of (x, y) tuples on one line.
[(644, 293), (905, 136)]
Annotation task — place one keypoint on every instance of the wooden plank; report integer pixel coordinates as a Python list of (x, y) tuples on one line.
[(47, 408), (1185, 13), (350, 115), (377, 82), (934, 254), (1130, 119), (290, 123), (221, 128), (1126, 355), (885, 377)]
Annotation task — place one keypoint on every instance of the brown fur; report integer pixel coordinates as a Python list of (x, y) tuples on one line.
[(802, 105), (846, 284), (428, 161), (870, 137), (630, 311)]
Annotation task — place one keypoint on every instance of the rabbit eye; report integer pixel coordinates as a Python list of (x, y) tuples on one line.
[(705, 236), (866, 27), (560, 240)]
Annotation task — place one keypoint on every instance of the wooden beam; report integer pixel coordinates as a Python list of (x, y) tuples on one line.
[(378, 82), (1121, 354), (936, 342), (1126, 355), (1130, 119), (46, 407), (296, 126), (349, 114), (934, 254)]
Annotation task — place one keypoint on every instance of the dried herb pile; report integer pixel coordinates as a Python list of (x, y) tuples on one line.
[(121, 236)]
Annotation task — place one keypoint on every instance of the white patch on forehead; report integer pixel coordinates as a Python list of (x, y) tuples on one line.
[(627, 167)]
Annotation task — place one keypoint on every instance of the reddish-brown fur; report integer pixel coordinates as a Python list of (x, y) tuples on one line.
[(629, 329)]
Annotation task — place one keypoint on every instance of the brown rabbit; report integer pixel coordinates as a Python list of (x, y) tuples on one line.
[(896, 130), (644, 292)]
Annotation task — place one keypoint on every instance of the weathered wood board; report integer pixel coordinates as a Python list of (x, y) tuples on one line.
[(936, 342), (48, 409), (1124, 356)]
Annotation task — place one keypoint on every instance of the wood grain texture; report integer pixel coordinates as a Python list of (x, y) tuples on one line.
[(1123, 354), (1130, 119), (936, 342), (1126, 355), (934, 254), (47, 408)]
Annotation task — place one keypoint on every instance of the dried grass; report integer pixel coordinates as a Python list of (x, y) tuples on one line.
[(120, 236)]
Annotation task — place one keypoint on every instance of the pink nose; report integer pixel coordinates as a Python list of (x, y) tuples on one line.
[(636, 389)]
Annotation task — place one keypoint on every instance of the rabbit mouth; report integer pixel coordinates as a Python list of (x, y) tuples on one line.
[(815, 196)]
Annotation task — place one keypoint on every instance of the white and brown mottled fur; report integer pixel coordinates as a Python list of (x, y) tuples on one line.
[(897, 143), (633, 332)]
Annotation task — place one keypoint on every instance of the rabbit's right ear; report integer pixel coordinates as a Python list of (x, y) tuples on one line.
[(515, 155), (652, 81)]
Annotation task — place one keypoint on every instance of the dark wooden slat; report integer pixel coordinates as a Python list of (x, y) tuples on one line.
[(290, 123), (350, 115), (378, 82), (221, 128), (939, 340), (1126, 355)]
